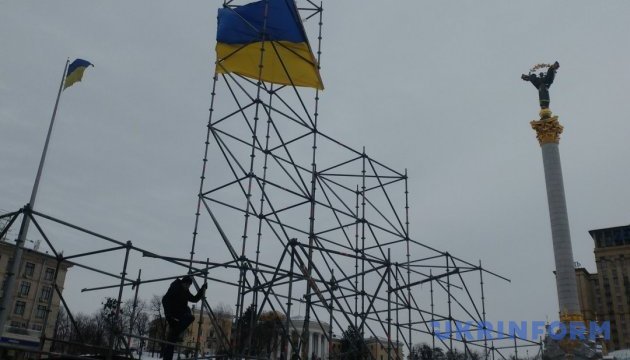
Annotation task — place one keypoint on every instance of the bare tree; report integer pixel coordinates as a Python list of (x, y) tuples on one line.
[(260, 337), (113, 319), (63, 331), (223, 310), (425, 352), (89, 333), (142, 328), (135, 321), (223, 314), (155, 307), (157, 326), (94, 331)]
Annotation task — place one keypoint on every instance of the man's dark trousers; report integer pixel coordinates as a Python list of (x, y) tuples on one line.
[(177, 325)]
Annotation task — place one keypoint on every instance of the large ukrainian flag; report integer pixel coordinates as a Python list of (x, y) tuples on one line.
[(276, 25), (75, 72)]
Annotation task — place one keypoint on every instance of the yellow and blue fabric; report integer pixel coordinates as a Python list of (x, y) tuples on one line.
[(75, 72), (275, 24)]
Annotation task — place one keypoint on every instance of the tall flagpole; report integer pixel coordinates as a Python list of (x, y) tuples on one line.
[(9, 287), (52, 122)]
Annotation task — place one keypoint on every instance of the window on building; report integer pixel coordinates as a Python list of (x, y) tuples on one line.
[(49, 274), (46, 293), (20, 306), (25, 288), (608, 238), (29, 269), (37, 327), (41, 312)]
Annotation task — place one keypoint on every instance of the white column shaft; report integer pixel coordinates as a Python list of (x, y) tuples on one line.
[(565, 274)]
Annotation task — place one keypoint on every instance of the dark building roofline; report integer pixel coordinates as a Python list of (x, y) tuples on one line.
[(39, 253), (597, 231)]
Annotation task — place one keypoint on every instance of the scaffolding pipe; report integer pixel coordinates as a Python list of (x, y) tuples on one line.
[(123, 274)]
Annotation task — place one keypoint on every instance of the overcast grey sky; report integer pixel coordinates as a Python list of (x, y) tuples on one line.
[(433, 87)]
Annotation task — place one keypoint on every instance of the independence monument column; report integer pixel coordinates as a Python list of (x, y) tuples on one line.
[(548, 130)]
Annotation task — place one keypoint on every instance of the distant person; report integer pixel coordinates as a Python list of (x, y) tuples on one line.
[(177, 312), (542, 82)]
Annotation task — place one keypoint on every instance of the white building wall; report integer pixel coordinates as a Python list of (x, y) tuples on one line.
[(318, 341)]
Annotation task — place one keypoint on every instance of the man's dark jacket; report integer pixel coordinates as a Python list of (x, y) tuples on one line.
[(176, 299)]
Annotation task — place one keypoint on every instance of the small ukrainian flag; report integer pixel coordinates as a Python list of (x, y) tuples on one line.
[(75, 72), (275, 24)]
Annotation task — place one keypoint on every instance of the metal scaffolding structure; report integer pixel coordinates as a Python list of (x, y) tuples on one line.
[(386, 298), (322, 223), (294, 217)]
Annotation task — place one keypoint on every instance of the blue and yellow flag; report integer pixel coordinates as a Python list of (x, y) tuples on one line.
[(75, 72), (276, 25)]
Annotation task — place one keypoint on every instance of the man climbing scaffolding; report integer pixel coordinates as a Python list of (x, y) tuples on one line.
[(178, 314)]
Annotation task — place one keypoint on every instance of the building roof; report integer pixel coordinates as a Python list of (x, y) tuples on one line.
[(612, 236), (28, 251), (381, 340)]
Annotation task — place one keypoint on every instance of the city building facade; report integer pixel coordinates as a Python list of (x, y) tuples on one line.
[(377, 347), (318, 341), (35, 298), (587, 283), (605, 295), (380, 348), (209, 340)]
